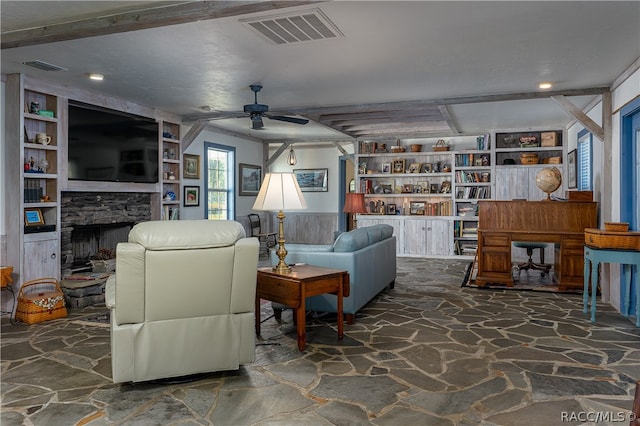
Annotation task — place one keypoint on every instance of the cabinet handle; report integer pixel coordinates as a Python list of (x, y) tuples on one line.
[(53, 255), (429, 229)]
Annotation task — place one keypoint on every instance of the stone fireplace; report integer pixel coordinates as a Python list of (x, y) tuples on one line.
[(97, 220)]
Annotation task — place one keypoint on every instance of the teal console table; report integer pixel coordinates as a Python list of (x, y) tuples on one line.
[(628, 258)]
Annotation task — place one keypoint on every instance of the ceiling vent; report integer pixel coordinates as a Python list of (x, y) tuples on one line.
[(303, 26), (44, 66)]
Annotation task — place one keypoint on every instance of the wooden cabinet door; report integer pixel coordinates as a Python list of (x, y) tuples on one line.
[(40, 260), (395, 223), (415, 236), (439, 237)]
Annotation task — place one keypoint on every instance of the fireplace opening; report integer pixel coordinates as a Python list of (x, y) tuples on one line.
[(87, 241)]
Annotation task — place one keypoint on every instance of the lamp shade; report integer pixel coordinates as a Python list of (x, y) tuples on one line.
[(354, 203), (280, 191)]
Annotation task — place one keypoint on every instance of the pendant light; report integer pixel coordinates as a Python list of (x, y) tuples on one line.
[(291, 160)]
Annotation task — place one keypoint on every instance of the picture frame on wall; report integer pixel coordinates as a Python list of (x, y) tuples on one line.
[(191, 166), (191, 196), (572, 169), (250, 177), (312, 180)]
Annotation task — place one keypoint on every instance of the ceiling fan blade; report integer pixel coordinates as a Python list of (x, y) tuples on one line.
[(294, 120)]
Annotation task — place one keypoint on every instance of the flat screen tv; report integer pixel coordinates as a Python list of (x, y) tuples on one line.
[(112, 146)]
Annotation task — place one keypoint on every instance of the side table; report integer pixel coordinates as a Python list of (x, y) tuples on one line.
[(293, 288), (628, 258)]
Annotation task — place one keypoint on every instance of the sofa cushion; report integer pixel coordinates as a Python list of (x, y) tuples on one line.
[(379, 232), (186, 234), (351, 241)]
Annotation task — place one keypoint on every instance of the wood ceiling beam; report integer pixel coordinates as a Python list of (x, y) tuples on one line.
[(439, 124), (396, 118), (192, 134), (583, 118), (448, 118), (374, 115), (416, 104), (141, 19)]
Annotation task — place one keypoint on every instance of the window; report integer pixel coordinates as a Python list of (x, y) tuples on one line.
[(219, 190), (585, 162)]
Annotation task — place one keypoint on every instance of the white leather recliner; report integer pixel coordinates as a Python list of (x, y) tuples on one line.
[(182, 300)]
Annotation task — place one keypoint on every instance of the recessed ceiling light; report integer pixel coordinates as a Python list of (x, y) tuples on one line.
[(205, 108), (96, 77), (545, 85)]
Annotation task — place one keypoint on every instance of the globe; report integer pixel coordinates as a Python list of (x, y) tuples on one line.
[(548, 180)]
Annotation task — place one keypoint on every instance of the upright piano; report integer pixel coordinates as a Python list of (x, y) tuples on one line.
[(559, 222)]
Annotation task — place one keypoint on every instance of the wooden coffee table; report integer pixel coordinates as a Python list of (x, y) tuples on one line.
[(291, 289)]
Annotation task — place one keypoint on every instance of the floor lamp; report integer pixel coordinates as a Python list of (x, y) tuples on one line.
[(354, 204), (279, 192)]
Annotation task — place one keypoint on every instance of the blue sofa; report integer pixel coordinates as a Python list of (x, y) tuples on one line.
[(368, 254)]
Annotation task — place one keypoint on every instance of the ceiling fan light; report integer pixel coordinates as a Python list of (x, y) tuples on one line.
[(291, 159), (545, 85)]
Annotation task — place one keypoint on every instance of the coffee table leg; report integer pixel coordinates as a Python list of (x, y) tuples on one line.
[(340, 314), (302, 326)]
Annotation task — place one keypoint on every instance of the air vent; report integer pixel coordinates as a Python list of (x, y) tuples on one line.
[(44, 66), (300, 27)]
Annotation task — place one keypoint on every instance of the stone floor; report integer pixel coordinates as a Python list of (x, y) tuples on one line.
[(425, 353)]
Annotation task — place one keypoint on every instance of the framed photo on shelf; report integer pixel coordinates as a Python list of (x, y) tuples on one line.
[(434, 188), (407, 188), (386, 167), (572, 168), (424, 185), (391, 209), (250, 179), (398, 166), (426, 168), (191, 196), (414, 168), (388, 186), (191, 166), (417, 208), (33, 217), (312, 180)]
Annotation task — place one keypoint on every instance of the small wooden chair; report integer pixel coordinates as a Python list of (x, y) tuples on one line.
[(267, 239)]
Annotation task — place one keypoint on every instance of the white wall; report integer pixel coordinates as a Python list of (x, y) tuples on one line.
[(622, 95), (247, 151), (3, 233), (315, 158)]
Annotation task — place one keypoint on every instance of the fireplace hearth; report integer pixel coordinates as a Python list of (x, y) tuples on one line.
[(91, 221)]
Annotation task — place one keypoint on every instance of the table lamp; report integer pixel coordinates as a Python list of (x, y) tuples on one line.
[(354, 204), (279, 192)]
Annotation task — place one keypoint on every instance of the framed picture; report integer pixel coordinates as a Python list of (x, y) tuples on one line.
[(312, 180), (391, 209), (417, 208), (33, 217), (386, 167), (407, 188), (250, 179), (425, 168), (445, 187), (424, 185), (398, 166), (434, 188), (388, 186), (191, 196), (191, 166), (572, 168), (414, 168)]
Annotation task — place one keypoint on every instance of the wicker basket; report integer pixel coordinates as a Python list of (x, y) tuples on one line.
[(616, 226), (415, 147), (441, 148), (599, 238), (529, 158), (36, 306)]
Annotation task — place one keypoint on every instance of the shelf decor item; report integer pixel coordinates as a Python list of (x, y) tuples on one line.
[(441, 145)]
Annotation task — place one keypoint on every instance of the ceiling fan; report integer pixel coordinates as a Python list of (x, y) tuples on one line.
[(256, 111)]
